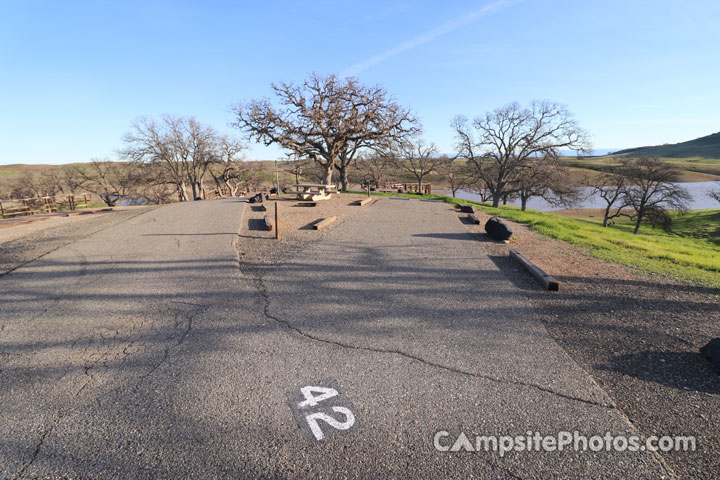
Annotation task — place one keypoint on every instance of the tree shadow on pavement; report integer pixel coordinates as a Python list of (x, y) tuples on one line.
[(682, 370)]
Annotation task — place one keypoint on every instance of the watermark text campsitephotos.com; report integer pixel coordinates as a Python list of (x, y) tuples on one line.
[(574, 441)]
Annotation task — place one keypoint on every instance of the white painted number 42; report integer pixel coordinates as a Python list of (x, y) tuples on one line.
[(312, 419)]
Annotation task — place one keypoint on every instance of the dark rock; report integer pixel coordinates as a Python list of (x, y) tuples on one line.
[(712, 351), (257, 198), (497, 229), (467, 208), (273, 191)]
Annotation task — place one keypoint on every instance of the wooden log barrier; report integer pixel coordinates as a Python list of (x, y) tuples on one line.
[(364, 201), (324, 222), (543, 278), (268, 223)]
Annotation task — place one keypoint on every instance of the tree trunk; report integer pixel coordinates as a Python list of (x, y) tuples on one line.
[(605, 217), (184, 190), (344, 179), (523, 203), (637, 223), (496, 198), (327, 174), (419, 185)]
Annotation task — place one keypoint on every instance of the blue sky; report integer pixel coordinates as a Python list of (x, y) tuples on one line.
[(74, 75)]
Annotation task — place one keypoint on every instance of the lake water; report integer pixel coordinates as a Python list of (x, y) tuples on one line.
[(698, 191)]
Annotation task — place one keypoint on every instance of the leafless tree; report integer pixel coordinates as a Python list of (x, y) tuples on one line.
[(545, 178), (611, 187), (182, 145), (22, 186), (419, 159), (154, 185), (327, 120), (229, 170), (500, 143), (715, 194), (653, 191), (456, 173), (296, 166), (45, 183), (6, 189), (374, 167), (111, 181), (71, 179)]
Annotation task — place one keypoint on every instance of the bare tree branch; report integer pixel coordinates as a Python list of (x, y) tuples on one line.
[(327, 120), (501, 143)]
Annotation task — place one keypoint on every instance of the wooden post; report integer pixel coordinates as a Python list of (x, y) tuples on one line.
[(368, 188), (277, 222)]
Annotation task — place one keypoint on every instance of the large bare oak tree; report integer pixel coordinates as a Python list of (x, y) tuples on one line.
[(504, 143), (327, 120)]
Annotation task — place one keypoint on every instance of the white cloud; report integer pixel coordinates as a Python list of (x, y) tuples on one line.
[(427, 37)]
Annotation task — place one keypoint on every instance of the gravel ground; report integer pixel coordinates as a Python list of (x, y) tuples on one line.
[(638, 336), (258, 246), (24, 243)]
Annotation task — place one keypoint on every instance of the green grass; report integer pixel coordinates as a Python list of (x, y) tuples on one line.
[(690, 253), (689, 165)]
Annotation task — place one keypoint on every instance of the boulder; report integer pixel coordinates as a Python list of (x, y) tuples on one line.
[(712, 351), (497, 229), (257, 198), (467, 208)]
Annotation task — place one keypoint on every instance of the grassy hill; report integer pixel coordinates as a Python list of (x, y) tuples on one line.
[(698, 160), (693, 169), (703, 147)]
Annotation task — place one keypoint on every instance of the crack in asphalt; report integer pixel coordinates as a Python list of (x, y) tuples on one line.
[(102, 357), (36, 450), (262, 288), (190, 318)]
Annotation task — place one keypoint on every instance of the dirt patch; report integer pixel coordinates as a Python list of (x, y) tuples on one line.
[(256, 245), (637, 334)]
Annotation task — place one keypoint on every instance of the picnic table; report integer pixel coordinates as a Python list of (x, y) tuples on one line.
[(313, 191)]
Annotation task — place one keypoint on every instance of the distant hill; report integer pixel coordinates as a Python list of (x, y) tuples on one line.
[(703, 147)]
